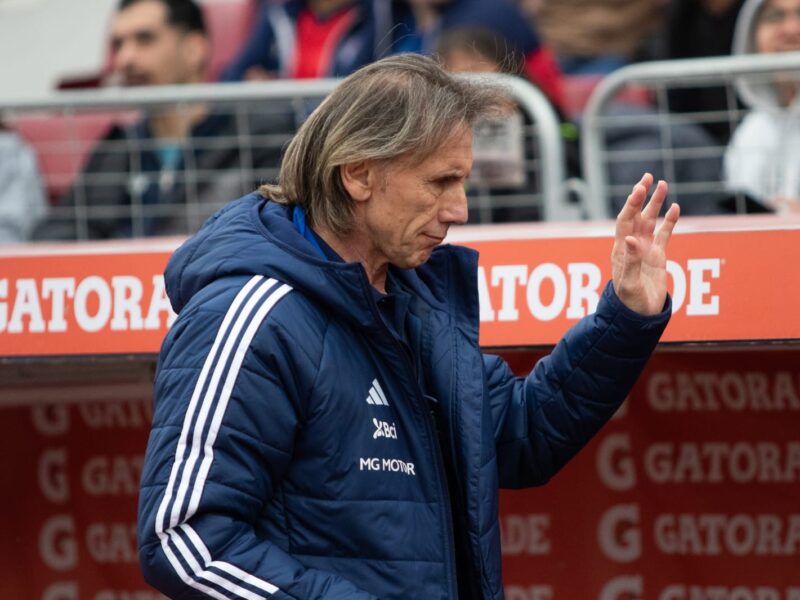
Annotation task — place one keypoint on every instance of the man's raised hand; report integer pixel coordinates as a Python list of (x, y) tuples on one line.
[(638, 258)]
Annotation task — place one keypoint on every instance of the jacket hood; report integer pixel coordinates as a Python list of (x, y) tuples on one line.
[(253, 236), (755, 94)]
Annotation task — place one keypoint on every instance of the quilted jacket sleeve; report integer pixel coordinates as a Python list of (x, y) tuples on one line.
[(543, 420), (228, 402)]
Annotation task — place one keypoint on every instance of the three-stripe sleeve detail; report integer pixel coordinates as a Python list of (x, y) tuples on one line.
[(194, 454)]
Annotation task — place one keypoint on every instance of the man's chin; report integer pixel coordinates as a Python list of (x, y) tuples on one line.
[(416, 260)]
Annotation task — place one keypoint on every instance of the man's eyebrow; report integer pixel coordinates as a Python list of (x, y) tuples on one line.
[(443, 177), (454, 174), (145, 32), (141, 33)]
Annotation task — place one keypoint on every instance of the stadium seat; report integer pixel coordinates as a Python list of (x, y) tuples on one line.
[(578, 88), (63, 142), (228, 24)]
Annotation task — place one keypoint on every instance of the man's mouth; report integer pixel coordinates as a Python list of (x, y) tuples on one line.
[(134, 79), (434, 238)]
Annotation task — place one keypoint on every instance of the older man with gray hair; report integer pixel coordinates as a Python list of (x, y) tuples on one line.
[(326, 425)]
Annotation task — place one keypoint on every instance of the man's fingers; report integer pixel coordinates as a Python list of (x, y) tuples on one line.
[(646, 180), (656, 201), (631, 213), (651, 210), (639, 192), (630, 216), (665, 231), (633, 262)]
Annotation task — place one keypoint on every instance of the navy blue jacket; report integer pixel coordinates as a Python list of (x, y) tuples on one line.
[(293, 452)]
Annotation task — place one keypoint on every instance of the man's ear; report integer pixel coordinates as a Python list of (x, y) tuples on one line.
[(359, 178)]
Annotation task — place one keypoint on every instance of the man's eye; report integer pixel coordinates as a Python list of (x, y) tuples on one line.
[(145, 37), (773, 16)]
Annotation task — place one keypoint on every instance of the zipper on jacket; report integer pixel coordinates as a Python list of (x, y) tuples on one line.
[(441, 476), (474, 553), (438, 461), (449, 540)]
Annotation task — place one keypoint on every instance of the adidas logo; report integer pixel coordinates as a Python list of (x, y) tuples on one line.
[(376, 395)]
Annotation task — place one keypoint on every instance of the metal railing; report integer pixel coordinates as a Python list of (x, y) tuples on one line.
[(544, 142), (260, 119), (603, 120)]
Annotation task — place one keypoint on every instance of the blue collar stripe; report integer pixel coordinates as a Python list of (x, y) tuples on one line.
[(299, 220)]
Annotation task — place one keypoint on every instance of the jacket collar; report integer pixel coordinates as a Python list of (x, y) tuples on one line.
[(252, 236)]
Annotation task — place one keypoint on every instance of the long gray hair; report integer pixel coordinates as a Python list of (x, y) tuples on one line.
[(404, 105)]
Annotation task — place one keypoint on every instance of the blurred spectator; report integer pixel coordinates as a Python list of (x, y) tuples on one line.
[(313, 38), (695, 29), (421, 23), (641, 141), (763, 158), (332, 38), (594, 37), (168, 172), (498, 147), (22, 197)]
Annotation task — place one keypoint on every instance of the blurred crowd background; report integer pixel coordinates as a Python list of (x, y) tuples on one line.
[(188, 105)]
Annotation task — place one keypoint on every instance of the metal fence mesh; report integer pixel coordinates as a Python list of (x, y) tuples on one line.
[(107, 175), (621, 139)]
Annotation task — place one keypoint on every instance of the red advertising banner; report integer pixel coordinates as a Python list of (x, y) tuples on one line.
[(727, 284), (692, 492), (71, 473), (727, 277), (96, 299)]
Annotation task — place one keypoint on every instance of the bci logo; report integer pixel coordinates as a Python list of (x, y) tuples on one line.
[(384, 430)]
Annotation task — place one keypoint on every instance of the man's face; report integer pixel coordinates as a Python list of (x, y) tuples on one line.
[(778, 27), (147, 50), (412, 206)]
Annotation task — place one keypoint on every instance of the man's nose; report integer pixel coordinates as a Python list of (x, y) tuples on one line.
[(122, 57), (456, 210)]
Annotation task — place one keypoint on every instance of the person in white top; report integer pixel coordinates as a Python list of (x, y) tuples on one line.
[(22, 196), (763, 157)]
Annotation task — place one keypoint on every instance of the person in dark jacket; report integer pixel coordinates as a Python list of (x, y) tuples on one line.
[(695, 29), (325, 424), (299, 39), (481, 50), (332, 38), (421, 25), (164, 174)]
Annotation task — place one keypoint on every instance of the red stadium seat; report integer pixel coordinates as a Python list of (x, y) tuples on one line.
[(228, 24), (62, 143), (578, 88)]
